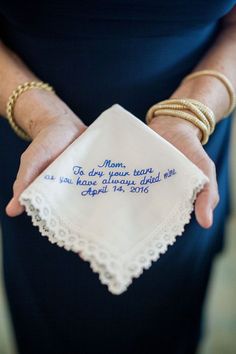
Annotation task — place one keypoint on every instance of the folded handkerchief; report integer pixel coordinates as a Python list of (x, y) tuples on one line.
[(117, 196)]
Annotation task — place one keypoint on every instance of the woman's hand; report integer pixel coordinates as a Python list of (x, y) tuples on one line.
[(50, 137), (185, 136)]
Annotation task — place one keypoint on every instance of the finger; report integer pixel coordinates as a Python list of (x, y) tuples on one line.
[(46, 146), (12, 209), (208, 198), (33, 161)]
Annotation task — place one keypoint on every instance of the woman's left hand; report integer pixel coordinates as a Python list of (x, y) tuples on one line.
[(185, 136)]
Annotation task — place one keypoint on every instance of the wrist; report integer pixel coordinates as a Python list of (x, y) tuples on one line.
[(36, 108), (175, 126), (206, 89)]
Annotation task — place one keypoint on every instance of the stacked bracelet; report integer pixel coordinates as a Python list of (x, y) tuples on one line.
[(201, 115), (12, 100)]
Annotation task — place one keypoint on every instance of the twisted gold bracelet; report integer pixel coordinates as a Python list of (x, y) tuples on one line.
[(12, 101), (202, 117), (190, 118), (209, 114), (204, 113), (225, 81)]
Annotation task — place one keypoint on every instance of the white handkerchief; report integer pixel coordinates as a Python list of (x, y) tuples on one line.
[(117, 196)]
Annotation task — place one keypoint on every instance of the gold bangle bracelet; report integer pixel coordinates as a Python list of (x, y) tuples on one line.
[(187, 116), (12, 101), (225, 81)]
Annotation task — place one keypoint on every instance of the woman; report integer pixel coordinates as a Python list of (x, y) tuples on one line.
[(94, 54)]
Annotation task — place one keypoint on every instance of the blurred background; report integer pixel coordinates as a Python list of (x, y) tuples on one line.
[(220, 308)]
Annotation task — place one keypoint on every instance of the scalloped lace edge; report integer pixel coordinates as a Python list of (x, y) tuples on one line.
[(116, 275)]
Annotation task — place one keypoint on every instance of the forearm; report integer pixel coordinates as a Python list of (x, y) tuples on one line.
[(12, 73), (207, 89), (33, 107)]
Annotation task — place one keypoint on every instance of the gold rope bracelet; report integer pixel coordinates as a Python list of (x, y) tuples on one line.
[(12, 101)]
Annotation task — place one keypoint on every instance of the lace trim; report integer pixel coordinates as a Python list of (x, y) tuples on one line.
[(112, 272)]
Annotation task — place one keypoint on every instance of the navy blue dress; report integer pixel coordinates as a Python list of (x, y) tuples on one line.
[(95, 54)]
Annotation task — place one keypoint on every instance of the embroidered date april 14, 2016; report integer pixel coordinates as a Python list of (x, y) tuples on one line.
[(110, 176)]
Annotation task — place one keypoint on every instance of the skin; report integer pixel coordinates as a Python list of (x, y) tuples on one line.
[(53, 126)]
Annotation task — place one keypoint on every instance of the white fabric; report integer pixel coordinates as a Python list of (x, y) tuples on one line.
[(120, 225)]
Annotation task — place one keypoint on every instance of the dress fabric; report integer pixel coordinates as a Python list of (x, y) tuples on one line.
[(95, 54)]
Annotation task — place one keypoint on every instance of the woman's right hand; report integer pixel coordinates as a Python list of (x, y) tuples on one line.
[(57, 129)]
